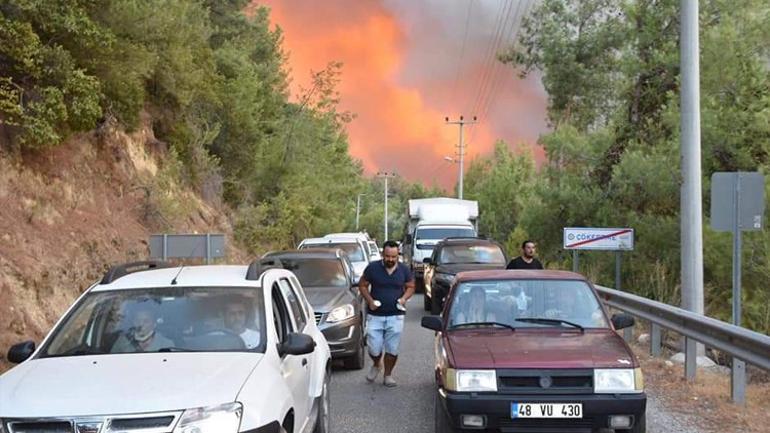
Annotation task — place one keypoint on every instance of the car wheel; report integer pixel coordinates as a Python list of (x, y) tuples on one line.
[(426, 302), (323, 420), (441, 422), (639, 427), (356, 362)]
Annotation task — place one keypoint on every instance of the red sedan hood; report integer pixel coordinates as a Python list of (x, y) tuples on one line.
[(538, 348)]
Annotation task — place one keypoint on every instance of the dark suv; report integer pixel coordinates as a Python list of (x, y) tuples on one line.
[(453, 255), (327, 277), (533, 351)]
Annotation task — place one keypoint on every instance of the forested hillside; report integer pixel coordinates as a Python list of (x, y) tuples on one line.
[(611, 70), (119, 119)]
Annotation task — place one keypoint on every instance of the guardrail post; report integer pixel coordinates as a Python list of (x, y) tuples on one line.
[(655, 339), (738, 381), (690, 358)]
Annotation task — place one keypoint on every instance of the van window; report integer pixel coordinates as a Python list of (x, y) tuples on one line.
[(443, 233)]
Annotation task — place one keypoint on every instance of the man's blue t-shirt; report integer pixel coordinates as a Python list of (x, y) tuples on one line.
[(387, 288)]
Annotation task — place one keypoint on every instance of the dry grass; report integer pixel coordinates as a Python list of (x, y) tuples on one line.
[(708, 396), (68, 213)]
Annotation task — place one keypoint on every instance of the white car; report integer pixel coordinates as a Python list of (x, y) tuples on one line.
[(356, 249), (372, 250), (157, 349)]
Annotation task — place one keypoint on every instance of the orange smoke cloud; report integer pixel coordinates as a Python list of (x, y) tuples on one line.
[(399, 124)]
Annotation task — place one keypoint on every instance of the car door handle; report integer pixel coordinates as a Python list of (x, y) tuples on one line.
[(304, 362)]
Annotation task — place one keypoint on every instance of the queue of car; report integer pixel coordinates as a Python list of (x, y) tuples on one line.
[(153, 348)]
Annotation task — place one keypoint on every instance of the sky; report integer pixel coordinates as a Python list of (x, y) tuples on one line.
[(407, 65)]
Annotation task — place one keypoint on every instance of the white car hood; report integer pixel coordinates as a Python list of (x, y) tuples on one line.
[(123, 384)]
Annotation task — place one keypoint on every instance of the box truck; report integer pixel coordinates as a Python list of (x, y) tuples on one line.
[(430, 220)]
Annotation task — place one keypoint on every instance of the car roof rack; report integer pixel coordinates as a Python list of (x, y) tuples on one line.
[(124, 269), (258, 266)]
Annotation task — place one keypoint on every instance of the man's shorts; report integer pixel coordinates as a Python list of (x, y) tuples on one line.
[(384, 333)]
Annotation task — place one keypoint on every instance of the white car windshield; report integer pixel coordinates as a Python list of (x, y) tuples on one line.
[(442, 233), (526, 303), (353, 249), (169, 319)]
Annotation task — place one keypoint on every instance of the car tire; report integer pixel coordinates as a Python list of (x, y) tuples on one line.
[(357, 361), (639, 427), (323, 418), (426, 302), (440, 419)]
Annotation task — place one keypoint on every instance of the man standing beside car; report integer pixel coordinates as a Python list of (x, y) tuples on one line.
[(527, 258), (392, 284)]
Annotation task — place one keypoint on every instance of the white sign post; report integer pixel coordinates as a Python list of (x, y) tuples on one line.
[(607, 239)]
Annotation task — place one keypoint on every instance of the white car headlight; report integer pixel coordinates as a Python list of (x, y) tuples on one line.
[(225, 418), (341, 313), (618, 380), (471, 380)]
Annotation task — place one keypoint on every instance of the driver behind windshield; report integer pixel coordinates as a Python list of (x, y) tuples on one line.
[(236, 320), (473, 308), (142, 335)]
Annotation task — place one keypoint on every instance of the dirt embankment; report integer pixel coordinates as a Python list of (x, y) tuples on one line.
[(68, 213)]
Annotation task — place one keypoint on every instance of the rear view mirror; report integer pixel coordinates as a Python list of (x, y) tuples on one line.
[(432, 322), (296, 344), (19, 353), (426, 260), (408, 239), (621, 321)]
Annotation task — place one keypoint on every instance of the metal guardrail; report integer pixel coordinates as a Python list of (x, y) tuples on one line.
[(741, 343)]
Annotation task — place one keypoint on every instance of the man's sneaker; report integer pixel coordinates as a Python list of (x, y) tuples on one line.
[(389, 382), (373, 373)]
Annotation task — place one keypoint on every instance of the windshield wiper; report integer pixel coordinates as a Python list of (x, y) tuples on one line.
[(504, 325), (546, 321)]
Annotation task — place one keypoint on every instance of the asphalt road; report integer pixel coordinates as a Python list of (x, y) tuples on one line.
[(359, 406)]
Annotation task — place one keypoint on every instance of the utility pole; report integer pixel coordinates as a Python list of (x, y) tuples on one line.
[(358, 209), (691, 201), (386, 176), (461, 154)]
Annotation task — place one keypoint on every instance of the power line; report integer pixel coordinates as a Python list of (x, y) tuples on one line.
[(502, 12), (462, 51)]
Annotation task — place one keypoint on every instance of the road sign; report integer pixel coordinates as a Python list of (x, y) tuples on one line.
[(737, 205), (612, 239), (188, 246), (737, 193)]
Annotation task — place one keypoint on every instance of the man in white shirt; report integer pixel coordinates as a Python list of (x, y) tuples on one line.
[(236, 318)]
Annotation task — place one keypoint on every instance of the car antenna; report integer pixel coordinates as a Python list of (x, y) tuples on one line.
[(173, 282)]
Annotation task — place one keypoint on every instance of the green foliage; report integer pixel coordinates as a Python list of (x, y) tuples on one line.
[(611, 68), (502, 184)]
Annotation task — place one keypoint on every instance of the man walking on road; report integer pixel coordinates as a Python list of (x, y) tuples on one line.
[(392, 284), (527, 258)]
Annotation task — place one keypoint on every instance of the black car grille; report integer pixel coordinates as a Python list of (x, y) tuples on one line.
[(510, 425), (318, 318), (545, 381), (42, 427), (141, 423)]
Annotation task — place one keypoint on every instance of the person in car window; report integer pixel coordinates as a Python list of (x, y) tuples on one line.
[(236, 320), (527, 259), (475, 309), (142, 335)]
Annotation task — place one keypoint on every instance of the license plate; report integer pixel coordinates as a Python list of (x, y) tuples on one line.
[(546, 410)]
